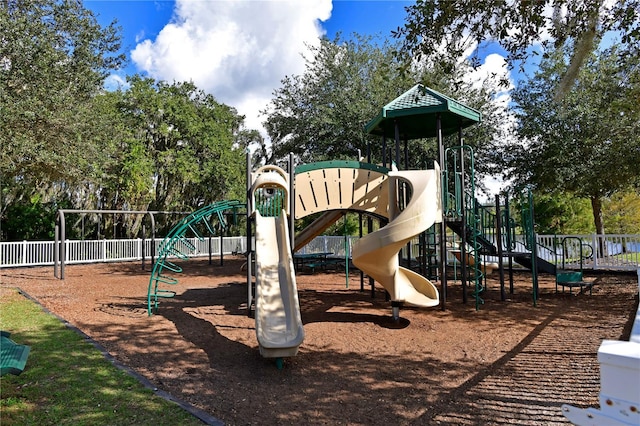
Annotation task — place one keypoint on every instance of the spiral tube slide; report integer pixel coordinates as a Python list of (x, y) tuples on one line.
[(377, 253)]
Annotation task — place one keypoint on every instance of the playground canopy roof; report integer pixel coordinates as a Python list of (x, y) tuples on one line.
[(415, 112)]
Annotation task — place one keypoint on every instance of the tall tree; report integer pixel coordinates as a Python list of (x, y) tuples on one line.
[(446, 30), (162, 147), (320, 114), (53, 58), (586, 144), (190, 139)]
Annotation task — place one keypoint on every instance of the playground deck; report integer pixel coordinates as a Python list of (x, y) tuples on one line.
[(510, 362)]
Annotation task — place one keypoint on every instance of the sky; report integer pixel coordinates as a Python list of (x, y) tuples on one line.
[(240, 50)]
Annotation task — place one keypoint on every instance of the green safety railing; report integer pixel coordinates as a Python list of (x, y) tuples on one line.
[(176, 245), (528, 228), (270, 201), (454, 207)]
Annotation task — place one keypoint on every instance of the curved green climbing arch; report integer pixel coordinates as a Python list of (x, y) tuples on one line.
[(175, 244)]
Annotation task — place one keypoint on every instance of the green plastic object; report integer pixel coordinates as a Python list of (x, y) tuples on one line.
[(13, 357), (270, 204), (340, 164), (175, 244), (569, 277), (413, 112)]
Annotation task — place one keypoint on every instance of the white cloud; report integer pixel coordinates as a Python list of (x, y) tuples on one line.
[(238, 51), (490, 72), (115, 82), (488, 75)]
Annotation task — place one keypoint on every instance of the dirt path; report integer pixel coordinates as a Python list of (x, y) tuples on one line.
[(509, 362)]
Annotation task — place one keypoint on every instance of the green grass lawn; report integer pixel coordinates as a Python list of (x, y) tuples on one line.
[(67, 381), (628, 257)]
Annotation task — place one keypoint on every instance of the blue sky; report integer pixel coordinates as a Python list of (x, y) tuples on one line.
[(160, 39), (240, 50)]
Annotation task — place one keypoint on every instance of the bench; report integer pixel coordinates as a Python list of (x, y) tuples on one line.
[(13, 357)]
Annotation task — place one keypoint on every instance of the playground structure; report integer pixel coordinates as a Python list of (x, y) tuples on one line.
[(467, 213), (376, 191), (59, 252), (377, 253), (409, 204), (175, 245), (322, 187), (494, 231)]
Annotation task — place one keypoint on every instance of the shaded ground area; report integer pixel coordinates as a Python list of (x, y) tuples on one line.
[(509, 362)]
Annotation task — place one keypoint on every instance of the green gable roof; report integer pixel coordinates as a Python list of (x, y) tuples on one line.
[(416, 111)]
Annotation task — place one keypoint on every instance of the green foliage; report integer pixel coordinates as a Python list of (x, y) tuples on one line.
[(586, 143), (165, 147), (350, 228), (622, 213), (190, 140), (432, 27), (561, 214), (320, 115), (53, 58), (30, 220), (68, 381)]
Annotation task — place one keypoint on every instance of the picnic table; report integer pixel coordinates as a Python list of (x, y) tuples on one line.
[(313, 260)]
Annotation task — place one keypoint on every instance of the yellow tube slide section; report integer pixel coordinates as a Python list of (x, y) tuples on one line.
[(376, 254)]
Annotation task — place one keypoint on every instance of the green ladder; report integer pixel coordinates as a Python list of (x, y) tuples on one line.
[(176, 245)]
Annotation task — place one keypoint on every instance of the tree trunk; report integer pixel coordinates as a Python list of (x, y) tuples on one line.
[(596, 208)]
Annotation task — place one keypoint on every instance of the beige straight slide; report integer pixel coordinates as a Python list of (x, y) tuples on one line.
[(278, 322)]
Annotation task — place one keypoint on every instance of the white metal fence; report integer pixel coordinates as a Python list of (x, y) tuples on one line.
[(334, 246), (41, 253), (614, 252)]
